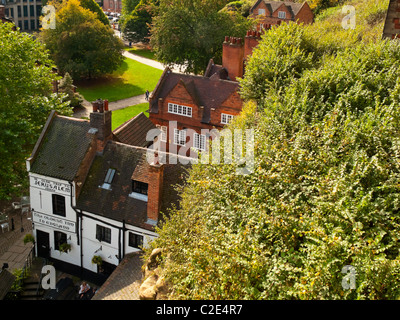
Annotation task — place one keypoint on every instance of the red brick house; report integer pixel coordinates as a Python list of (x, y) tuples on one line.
[(275, 12), (112, 6), (194, 102)]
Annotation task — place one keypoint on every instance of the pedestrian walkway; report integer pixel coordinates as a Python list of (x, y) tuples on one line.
[(13, 251), (85, 110)]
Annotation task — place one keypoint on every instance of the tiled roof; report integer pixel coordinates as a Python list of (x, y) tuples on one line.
[(133, 132), (116, 203), (125, 281), (216, 70), (272, 6), (63, 148), (209, 92)]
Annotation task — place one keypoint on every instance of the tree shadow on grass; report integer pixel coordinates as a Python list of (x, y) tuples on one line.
[(109, 87)]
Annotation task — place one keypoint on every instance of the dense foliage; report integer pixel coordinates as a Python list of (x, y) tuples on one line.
[(190, 32), (93, 6), (135, 26), (324, 193), (26, 100), (81, 44)]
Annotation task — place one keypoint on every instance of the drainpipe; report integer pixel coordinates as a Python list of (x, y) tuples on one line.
[(78, 229), (123, 238)]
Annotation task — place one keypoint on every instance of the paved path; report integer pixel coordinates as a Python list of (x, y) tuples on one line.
[(115, 105), (13, 251)]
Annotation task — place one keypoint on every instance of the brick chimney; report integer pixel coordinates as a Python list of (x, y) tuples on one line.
[(250, 42), (154, 192), (151, 171), (232, 57), (100, 120)]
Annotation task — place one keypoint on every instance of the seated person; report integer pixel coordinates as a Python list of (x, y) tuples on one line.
[(84, 289)]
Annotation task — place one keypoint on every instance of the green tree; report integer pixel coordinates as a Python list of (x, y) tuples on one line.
[(136, 26), (93, 6), (67, 87), (80, 44), (26, 100), (190, 32)]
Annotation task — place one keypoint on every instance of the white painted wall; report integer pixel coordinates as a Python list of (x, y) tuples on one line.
[(41, 190)]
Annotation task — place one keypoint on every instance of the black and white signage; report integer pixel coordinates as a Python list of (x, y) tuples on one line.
[(54, 222), (51, 186)]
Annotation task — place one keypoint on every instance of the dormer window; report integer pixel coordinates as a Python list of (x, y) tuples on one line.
[(108, 179), (261, 12), (139, 190), (281, 14), (179, 109)]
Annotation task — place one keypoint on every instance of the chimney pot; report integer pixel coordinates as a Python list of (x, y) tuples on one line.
[(95, 106)]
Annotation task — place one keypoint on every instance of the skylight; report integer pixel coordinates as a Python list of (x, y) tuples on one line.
[(108, 179)]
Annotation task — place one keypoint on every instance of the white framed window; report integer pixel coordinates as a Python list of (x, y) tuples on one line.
[(261, 12), (180, 137), (226, 118), (163, 135), (179, 109), (199, 141), (281, 14)]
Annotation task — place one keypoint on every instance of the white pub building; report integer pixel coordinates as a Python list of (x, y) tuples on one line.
[(93, 198)]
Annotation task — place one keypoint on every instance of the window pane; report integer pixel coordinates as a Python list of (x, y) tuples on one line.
[(163, 133), (103, 234), (140, 187), (58, 205), (135, 240), (59, 238)]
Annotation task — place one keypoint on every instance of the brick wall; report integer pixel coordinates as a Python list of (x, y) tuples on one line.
[(232, 57), (156, 175), (102, 122), (305, 15), (153, 175), (391, 28), (232, 106), (112, 5)]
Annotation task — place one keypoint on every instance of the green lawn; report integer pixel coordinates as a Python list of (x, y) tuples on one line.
[(145, 53), (131, 79), (120, 116)]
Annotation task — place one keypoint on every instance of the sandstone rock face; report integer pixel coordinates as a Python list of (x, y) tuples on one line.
[(154, 286)]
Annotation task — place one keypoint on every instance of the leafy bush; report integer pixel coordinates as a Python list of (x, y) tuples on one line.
[(324, 193)]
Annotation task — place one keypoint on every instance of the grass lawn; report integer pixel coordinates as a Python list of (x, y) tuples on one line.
[(120, 116), (131, 79), (145, 53)]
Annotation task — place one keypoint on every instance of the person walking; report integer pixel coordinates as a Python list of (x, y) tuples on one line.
[(147, 95)]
